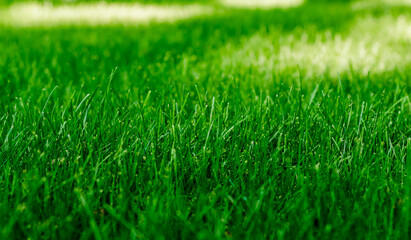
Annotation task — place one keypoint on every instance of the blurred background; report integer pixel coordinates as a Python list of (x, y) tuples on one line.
[(261, 43)]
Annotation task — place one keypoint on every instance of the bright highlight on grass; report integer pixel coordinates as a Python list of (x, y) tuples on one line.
[(261, 3), (366, 4), (92, 14), (373, 45), (34, 14)]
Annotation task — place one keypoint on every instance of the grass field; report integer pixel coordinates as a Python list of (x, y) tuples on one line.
[(239, 123)]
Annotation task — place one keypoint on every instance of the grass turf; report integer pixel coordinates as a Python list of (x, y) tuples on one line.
[(142, 132)]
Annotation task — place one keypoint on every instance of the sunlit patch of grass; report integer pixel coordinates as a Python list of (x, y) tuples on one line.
[(34, 14), (372, 44), (364, 4), (261, 3)]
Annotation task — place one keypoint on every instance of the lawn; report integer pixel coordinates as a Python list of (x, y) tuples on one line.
[(236, 122)]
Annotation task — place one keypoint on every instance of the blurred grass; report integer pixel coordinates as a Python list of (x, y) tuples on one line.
[(58, 2), (145, 1)]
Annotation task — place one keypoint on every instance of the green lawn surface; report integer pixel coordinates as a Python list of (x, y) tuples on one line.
[(224, 126)]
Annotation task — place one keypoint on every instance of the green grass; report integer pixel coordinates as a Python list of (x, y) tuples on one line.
[(146, 132)]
